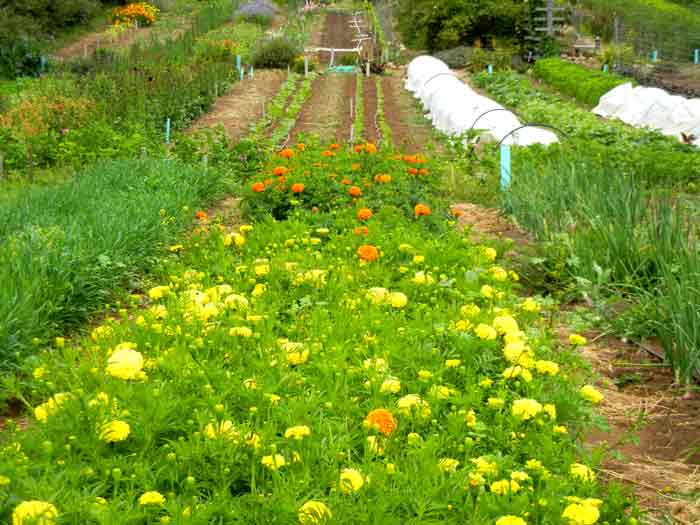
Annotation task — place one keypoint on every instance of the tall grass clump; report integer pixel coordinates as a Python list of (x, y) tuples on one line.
[(603, 230), (65, 249)]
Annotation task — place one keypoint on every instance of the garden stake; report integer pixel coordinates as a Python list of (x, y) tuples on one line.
[(505, 166), (490, 69), (306, 66), (654, 55), (167, 130), (696, 56), (242, 72), (605, 68), (238, 62), (2, 166)]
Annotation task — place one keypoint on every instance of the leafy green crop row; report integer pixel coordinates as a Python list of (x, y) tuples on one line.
[(583, 84), (655, 159)]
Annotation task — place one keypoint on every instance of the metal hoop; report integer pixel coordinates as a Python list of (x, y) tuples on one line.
[(491, 111), (533, 125)]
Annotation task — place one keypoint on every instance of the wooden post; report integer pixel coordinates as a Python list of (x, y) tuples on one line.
[(30, 162), (306, 66), (368, 69), (2, 166)]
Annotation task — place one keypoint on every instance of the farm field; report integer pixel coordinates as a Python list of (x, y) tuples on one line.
[(236, 287)]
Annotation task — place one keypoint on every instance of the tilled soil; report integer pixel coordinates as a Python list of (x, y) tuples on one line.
[(325, 113), (370, 99), (411, 132), (337, 34), (238, 109)]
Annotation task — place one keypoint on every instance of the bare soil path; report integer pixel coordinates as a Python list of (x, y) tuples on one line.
[(411, 131), (327, 111), (369, 90), (242, 106)]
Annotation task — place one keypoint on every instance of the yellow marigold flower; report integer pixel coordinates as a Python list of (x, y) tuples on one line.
[(534, 464), (4, 481), (223, 429), (525, 409), (390, 385), (579, 514), (296, 353), (581, 472), (422, 278), (489, 253), (547, 367), (425, 375), (530, 305), (250, 384), (101, 332), (510, 520), (158, 292), (240, 331), (274, 462), (505, 324), (519, 475), (505, 486), (463, 325), (484, 466), (126, 363), (115, 431), (152, 498), (34, 513), (589, 393), (441, 392), (486, 383), (514, 372), (246, 228), (236, 302), (413, 401), (495, 402), (560, 429), (498, 273), (488, 291), (418, 259), (470, 418), (43, 411), (390, 468), (378, 364), (398, 299), (298, 432), (377, 295), (351, 480), (261, 269), (39, 372), (577, 340), (476, 479), (485, 332), (314, 513), (469, 310), (235, 239), (453, 363), (258, 290), (405, 248), (448, 464), (550, 410), (414, 439), (517, 353)]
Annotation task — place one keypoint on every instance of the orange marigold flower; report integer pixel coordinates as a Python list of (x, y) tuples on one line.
[(297, 187), (422, 209), (367, 252), (354, 166), (258, 187), (355, 191), (420, 159), (382, 178), (334, 146), (370, 148), (412, 171), (280, 170), (364, 213), (361, 230), (409, 158), (359, 148), (423, 171), (346, 181), (382, 420), (327, 153), (201, 215), (301, 146), (287, 153)]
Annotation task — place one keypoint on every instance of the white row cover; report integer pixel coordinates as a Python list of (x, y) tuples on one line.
[(652, 108), (455, 108)]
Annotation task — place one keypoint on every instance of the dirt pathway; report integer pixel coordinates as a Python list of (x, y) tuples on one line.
[(327, 111), (238, 109), (653, 441), (369, 91), (411, 131)]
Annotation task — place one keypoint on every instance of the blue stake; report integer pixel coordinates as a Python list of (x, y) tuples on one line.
[(505, 166), (242, 73), (654, 55), (167, 130), (696, 56), (490, 69), (238, 62), (605, 68)]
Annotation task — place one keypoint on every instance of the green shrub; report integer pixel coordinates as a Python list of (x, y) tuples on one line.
[(583, 84), (278, 52), (456, 58)]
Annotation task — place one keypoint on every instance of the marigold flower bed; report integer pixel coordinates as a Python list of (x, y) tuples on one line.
[(284, 372)]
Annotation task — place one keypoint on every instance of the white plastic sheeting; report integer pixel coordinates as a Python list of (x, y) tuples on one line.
[(454, 108), (652, 108)]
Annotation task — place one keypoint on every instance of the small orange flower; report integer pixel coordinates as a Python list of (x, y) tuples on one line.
[(201, 215), (346, 181), (423, 171), (297, 187), (370, 148), (301, 146), (280, 170), (361, 230), (359, 148), (334, 146), (412, 171), (287, 153), (354, 166), (422, 210), (258, 187), (327, 153), (382, 178), (382, 420), (364, 214), (355, 191), (367, 252), (409, 158)]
